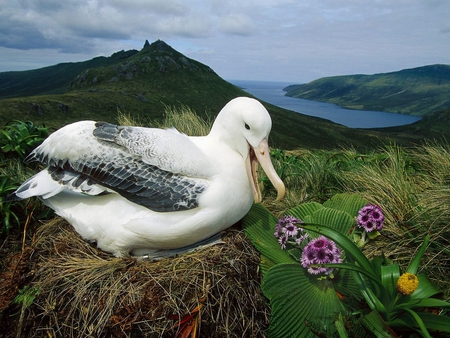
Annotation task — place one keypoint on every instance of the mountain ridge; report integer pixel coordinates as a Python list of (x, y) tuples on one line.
[(415, 91), (144, 83)]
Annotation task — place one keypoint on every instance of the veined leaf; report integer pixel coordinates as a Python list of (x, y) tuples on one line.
[(303, 210), (296, 297), (335, 219), (259, 224), (350, 203)]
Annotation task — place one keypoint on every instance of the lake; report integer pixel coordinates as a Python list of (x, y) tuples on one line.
[(272, 92)]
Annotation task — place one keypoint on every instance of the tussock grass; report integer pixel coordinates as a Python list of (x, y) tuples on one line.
[(182, 118), (412, 185), (85, 292)]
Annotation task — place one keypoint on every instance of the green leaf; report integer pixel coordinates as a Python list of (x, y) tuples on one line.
[(389, 276), (296, 297), (419, 323), (414, 265), (335, 219), (431, 321), (352, 267), (425, 288), (350, 203), (259, 225), (375, 324), (435, 322), (427, 302), (303, 210), (340, 327)]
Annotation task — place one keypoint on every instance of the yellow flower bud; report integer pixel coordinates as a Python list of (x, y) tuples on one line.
[(407, 283)]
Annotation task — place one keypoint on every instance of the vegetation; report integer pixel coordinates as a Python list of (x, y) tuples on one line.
[(409, 184), (52, 283), (416, 91), (358, 297)]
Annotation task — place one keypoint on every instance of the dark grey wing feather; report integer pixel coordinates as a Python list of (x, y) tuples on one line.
[(144, 184), (111, 166)]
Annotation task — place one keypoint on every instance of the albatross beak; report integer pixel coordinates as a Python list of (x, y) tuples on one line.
[(261, 154)]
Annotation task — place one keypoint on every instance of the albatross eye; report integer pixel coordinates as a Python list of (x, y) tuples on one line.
[(247, 126)]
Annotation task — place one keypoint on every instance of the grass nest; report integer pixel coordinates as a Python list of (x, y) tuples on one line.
[(69, 288)]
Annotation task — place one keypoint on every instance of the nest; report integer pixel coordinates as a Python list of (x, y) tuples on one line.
[(80, 291)]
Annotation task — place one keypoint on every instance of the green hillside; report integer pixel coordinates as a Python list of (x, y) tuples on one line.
[(54, 79), (143, 83), (416, 91)]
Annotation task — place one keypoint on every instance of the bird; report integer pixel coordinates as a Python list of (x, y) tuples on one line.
[(154, 192)]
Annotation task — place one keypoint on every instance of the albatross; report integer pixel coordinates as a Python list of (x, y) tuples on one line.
[(146, 191)]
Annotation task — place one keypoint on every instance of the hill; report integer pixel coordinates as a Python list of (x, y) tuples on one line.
[(54, 79), (416, 91), (143, 83)]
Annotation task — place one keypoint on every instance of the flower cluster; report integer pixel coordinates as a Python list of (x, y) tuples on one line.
[(407, 283), (287, 230), (370, 218), (320, 251)]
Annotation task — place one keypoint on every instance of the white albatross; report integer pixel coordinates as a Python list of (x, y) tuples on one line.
[(147, 190)]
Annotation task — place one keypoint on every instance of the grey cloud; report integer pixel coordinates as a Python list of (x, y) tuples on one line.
[(238, 24)]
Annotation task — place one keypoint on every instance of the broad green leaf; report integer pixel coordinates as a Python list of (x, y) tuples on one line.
[(259, 224), (350, 203), (303, 210), (297, 297), (335, 219), (425, 288)]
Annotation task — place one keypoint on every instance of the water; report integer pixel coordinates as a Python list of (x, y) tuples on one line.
[(272, 92)]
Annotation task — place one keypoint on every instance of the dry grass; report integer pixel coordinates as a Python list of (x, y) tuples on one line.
[(182, 118), (87, 293)]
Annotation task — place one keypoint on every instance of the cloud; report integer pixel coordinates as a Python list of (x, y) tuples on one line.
[(272, 39), (237, 24)]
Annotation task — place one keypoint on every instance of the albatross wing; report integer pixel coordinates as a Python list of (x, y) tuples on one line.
[(137, 163)]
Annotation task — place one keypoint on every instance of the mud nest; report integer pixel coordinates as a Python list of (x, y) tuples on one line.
[(62, 286)]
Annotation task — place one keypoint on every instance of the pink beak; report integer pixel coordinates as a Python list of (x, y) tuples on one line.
[(261, 154)]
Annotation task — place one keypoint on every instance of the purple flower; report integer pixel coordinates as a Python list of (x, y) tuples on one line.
[(287, 229), (370, 218), (320, 251), (283, 240)]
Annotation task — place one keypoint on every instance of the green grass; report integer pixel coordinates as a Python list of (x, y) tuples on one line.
[(411, 184)]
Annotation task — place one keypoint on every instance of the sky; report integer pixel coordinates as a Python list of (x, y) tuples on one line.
[(293, 41)]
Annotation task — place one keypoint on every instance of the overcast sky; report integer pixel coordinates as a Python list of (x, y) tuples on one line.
[(276, 40)]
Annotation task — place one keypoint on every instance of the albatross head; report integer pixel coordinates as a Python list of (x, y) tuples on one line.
[(248, 125)]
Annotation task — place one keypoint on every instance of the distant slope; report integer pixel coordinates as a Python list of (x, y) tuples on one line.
[(53, 79), (416, 91), (434, 126)]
